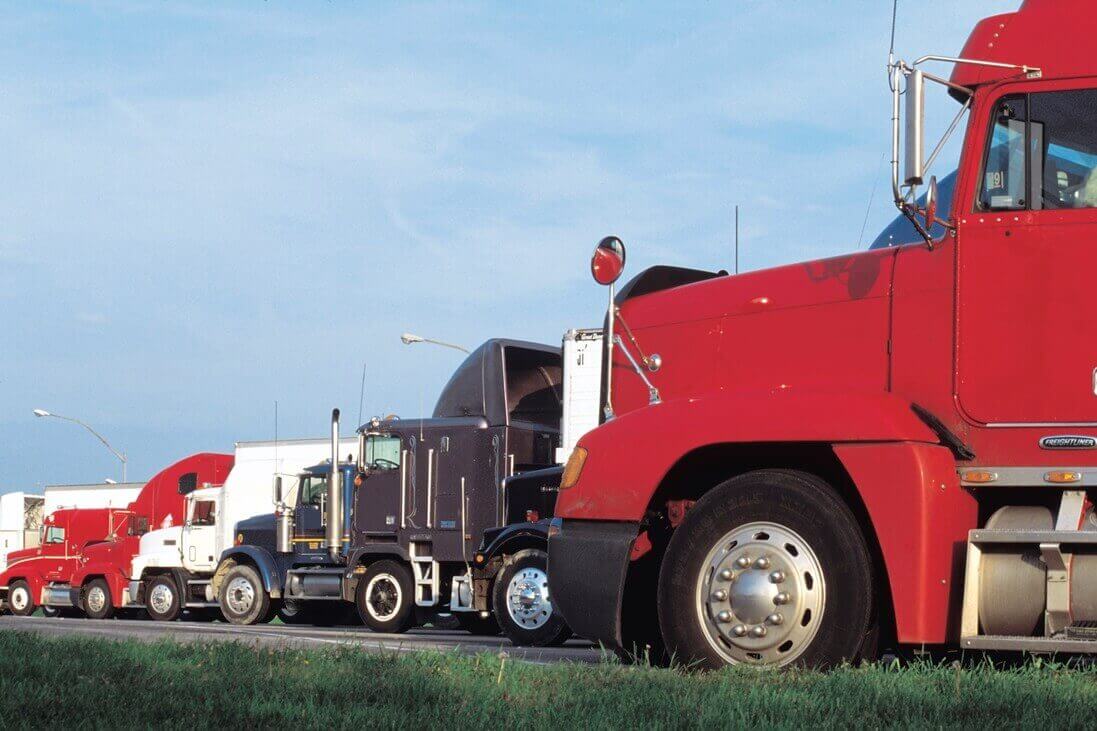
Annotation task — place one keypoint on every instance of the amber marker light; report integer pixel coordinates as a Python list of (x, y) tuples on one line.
[(1060, 476), (573, 468), (979, 477)]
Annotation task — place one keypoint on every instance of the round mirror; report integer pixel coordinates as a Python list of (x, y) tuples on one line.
[(608, 261), (931, 203)]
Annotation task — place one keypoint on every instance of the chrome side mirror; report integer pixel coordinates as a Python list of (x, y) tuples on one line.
[(277, 489), (915, 128), (930, 212)]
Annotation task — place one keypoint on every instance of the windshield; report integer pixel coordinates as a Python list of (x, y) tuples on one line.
[(901, 231), (382, 453), (55, 534)]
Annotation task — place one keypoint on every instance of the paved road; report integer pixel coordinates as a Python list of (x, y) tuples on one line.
[(280, 635)]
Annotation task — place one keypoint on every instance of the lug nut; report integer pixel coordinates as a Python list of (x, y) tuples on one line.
[(762, 563), (742, 562), (724, 616), (777, 577), (775, 619), (758, 631), (738, 630), (781, 598), (719, 595), (726, 574)]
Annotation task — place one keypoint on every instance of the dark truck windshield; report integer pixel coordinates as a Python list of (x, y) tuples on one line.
[(901, 231)]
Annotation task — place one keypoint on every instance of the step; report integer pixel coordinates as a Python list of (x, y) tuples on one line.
[(1000, 536), (1060, 643)]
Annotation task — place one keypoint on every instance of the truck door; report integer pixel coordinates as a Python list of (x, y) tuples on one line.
[(200, 535), (380, 501), (310, 517), (1026, 334)]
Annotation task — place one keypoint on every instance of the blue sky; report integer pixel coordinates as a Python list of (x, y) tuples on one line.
[(208, 207)]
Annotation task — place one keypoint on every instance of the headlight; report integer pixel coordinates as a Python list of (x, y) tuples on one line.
[(573, 468)]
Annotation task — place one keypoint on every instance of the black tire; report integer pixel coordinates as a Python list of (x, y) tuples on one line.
[(162, 600), (386, 597), (242, 597), (531, 623), (96, 600), (801, 522), (474, 624), (23, 604)]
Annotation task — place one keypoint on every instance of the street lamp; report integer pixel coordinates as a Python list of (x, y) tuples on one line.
[(120, 455), (408, 339)]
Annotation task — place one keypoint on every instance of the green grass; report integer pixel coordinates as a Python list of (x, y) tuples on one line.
[(100, 683)]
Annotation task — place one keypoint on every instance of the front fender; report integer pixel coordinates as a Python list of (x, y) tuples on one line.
[(629, 456), (269, 570), (498, 541)]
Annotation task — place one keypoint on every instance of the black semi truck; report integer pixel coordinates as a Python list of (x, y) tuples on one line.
[(440, 515)]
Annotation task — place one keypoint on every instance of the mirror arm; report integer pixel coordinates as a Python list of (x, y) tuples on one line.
[(911, 213)]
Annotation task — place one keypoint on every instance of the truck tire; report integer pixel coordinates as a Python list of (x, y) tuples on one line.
[(769, 568), (96, 600), (474, 624), (162, 599), (386, 597), (522, 604), (295, 612), (20, 599), (243, 599)]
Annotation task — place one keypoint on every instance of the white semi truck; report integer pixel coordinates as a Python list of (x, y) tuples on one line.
[(172, 571)]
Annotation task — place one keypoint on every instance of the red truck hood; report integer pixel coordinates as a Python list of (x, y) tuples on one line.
[(819, 325)]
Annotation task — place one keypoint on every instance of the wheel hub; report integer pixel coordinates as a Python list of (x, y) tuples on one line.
[(97, 599), (527, 598), (20, 599), (760, 595), (160, 598), (383, 597), (240, 595)]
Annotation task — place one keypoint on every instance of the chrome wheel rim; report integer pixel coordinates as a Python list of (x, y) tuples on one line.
[(384, 597), (760, 595), (20, 598), (161, 598), (528, 601), (240, 595), (96, 599)]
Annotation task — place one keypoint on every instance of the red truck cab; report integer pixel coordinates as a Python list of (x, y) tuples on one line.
[(805, 462), (65, 534), (88, 564)]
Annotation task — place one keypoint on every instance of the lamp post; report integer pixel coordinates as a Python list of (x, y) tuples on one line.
[(120, 455), (408, 339)]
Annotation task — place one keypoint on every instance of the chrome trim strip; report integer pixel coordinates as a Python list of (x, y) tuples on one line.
[(1039, 424), (1030, 476)]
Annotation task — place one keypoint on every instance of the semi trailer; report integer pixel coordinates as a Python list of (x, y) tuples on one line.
[(894, 447), (411, 528), (84, 563), (172, 570)]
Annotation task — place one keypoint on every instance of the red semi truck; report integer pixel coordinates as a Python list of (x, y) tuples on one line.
[(897, 446), (84, 562)]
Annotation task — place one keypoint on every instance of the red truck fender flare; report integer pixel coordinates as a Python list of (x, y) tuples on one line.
[(629, 456)]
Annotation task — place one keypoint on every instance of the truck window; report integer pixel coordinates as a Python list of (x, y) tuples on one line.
[(205, 513), (313, 489), (534, 385), (1043, 153), (382, 453), (55, 534)]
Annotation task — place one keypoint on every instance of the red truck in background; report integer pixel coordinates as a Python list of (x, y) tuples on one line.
[(84, 562), (896, 447), (65, 533)]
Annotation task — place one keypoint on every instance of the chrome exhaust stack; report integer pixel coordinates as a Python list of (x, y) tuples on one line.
[(335, 494)]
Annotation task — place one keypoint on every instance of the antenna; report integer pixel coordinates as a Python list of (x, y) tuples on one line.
[(276, 435), (362, 394), (871, 195), (736, 238)]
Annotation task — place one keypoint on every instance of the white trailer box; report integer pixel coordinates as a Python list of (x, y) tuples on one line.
[(582, 353), (95, 495), (20, 519)]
